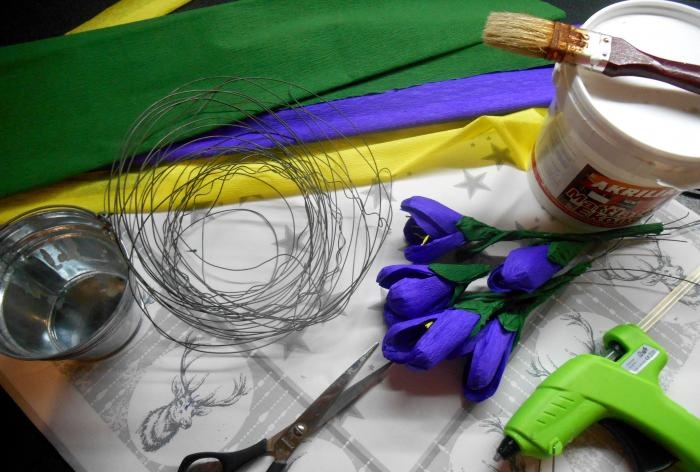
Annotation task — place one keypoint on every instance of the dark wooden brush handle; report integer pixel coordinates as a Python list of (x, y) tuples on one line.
[(625, 59)]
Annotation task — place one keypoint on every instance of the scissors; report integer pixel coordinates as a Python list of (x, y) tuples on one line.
[(281, 446)]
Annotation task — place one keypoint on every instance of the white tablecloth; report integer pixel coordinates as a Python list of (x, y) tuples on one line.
[(97, 414)]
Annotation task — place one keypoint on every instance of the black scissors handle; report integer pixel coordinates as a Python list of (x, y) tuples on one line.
[(281, 445), (231, 461)]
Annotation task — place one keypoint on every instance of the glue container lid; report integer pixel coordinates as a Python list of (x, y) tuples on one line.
[(649, 113)]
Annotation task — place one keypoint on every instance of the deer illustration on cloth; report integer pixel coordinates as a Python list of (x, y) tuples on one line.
[(651, 266), (162, 423)]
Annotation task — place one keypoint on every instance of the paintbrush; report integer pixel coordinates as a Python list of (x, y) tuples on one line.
[(525, 34)]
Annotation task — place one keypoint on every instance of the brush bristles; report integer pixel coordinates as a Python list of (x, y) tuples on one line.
[(516, 32)]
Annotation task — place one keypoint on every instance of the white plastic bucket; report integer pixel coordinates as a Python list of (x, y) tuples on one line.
[(615, 149)]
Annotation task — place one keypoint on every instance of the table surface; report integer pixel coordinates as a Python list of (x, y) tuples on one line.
[(33, 21), (98, 414)]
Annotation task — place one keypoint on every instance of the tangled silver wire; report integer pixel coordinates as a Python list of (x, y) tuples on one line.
[(189, 209)]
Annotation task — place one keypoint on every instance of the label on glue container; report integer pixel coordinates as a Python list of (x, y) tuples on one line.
[(598, 200), (640, 358)]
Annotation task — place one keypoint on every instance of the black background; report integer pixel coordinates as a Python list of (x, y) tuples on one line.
[(25, 448)]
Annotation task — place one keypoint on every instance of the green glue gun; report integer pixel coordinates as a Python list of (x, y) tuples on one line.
[(621, 391)]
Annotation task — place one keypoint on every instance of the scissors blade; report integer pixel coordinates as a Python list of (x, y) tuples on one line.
[(314, 416), (354, 392)]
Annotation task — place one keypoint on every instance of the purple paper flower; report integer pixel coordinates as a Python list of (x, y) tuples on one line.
[(525, 269), (487, 354), (414, 290), (391, 318), (431, 231), (424, 342)]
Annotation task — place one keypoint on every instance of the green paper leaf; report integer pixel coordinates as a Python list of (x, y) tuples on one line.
[(481, 307), (459, 290), (563, 252), (483, 296), (485, 310), (479, 326), (460, 273), (512, 322), (524, 304), (475, 230)]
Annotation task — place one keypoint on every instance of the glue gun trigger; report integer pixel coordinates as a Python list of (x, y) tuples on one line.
[(647, 455)]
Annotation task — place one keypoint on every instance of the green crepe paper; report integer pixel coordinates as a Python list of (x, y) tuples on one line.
[(512, 321), (512, 308), (460, 273), (480, 235), (547, 290), (515, 313), (475, 230), (595, 236), (484, 309), (67, 102), (563, 252)]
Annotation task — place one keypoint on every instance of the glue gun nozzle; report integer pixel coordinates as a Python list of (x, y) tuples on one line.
[(507, 449)]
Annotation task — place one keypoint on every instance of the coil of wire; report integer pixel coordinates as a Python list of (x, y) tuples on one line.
[(262, 226)]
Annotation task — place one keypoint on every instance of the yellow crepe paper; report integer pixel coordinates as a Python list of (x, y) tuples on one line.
[(483, 141), (128, 11)]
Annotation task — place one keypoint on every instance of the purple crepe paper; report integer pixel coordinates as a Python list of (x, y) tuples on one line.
[(414, 290), (451, 100), (525, 269), (431, 218), (411, 342), (487, 355)]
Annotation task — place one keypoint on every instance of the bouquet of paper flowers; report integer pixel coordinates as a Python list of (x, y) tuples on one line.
[(430, 313)]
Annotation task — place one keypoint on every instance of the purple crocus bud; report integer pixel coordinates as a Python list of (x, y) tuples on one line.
[(391, 318), (431, 231), (424, 342), (414, 290), (525, 269), (487, 355)]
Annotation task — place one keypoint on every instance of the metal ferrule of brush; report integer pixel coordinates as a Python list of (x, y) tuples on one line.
[(580, 46)]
